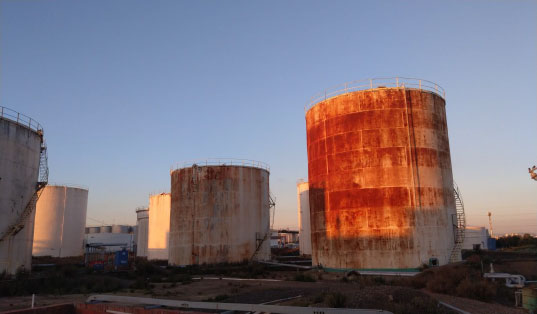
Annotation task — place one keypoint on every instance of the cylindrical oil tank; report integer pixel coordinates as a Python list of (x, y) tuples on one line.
[(304, 230), (142, 231), (219, 214), (60, 221), (20, 149), (159, 226), (94, 229), (105, 229), (380, 178), (120, 229)]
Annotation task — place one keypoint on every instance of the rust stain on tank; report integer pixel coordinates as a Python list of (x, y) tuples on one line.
[(381, 186), (218, 213)]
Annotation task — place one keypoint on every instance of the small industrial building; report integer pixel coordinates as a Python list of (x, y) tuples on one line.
[(114, 237)]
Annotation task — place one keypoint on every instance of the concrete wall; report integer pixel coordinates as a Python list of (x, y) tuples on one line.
[(380, 180), (217, 214), (19, 171), (159, 226), (475, 235), (304, 228), (142, 231), (60, 222)]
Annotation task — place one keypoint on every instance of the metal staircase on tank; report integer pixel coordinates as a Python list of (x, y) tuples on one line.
[(260, 241), (19, 224), (461, 225)]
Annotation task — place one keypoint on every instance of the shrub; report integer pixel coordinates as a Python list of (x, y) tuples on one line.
[(336, 300), (304, 277)]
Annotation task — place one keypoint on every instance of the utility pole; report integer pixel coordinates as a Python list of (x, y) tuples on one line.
[(490, 225)]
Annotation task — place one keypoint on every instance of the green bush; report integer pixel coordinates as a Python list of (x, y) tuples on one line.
[(304, 277), (336, 300)]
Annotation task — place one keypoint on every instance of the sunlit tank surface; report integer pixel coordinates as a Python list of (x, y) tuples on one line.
[(159, 226), (219, 214), (142, 231), (20, 148), (304, 230), (60, 221), (380, 178)]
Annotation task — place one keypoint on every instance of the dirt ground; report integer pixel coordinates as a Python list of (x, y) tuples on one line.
[(357, 294)]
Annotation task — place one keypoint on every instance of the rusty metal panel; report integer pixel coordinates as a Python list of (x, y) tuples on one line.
[(380, 179), (219, 214)]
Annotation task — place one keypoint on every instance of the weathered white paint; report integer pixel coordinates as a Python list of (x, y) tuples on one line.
[(159, 226), (475, 235), (304, 228), (142, 231), (219, 214), (19, 170), (60, 221)]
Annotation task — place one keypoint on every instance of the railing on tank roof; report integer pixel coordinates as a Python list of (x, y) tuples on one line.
[(223, 162), (68, 185), (19, 118), (388, 82)]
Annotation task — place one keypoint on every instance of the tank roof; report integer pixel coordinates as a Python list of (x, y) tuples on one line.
[(222, 162), (376, 83), (70, 186), (20, 119)]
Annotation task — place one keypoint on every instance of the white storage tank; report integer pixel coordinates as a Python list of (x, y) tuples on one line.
[(93, 229), (159, 226), (121, 229), (60, 221), (304, 229), (21, 148), (219, 213), (142, 226)]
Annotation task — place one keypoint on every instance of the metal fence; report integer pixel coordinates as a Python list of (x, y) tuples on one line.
[(383, 82), (223, 162), (19, 118)]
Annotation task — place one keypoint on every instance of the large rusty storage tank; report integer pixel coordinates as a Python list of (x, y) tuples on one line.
[(219, 213), (60, 221), (380, 178), (22, 177)]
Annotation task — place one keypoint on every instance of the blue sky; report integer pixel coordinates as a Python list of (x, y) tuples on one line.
[(125, 88)]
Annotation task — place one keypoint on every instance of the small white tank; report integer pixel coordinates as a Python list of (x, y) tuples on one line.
[(60, 221), (159, 226), (120, 229), (142, 226), (304, 229)]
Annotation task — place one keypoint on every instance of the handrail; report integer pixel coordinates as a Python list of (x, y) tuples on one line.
[(19, 118), (68, 185), (381, 82), (222, 162)]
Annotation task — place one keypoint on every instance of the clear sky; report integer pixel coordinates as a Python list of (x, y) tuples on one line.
[(125, 88)]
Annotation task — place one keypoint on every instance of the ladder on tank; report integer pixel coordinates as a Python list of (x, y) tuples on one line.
[(460, 227), (19, 224), (259, 242)]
